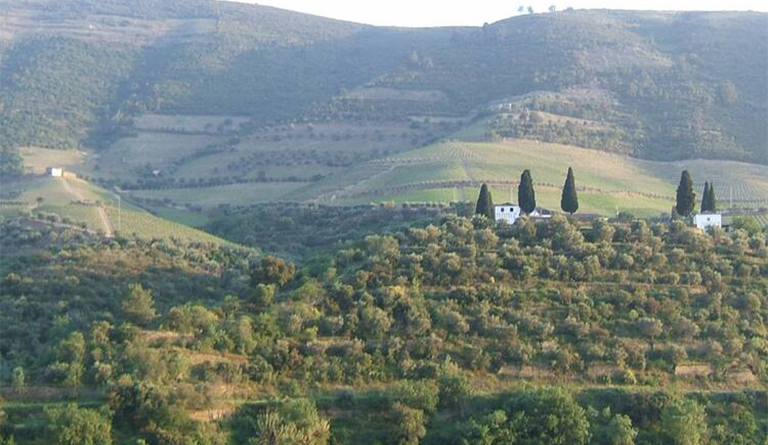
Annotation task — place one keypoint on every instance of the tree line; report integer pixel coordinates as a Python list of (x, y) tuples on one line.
[(685, 200), (685, 203), (526, 196)]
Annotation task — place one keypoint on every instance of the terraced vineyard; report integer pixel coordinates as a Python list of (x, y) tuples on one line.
[(607, 183)]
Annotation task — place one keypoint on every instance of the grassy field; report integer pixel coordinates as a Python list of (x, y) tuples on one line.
[(37, 160), (146, 225), (158, 150), (60, 196), (234, 194), (180, 215), (612, 183), (363, 162)]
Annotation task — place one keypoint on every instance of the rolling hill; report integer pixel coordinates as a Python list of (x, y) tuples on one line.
[(192, 104)]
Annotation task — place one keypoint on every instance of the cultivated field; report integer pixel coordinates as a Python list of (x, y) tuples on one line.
[(358, 162), (37, 160), (188, 123), (608, 183), (78, 202), (233, 194), (148, 150)]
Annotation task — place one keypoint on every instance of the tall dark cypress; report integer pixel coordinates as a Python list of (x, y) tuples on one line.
[(705, 198), (569, 202), (711, 201), (484, 203), (526, 196), (686, 197)]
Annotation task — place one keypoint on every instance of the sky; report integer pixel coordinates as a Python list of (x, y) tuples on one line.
[(477, 12)]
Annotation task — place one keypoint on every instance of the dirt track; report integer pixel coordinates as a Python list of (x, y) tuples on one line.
[(105, 222)]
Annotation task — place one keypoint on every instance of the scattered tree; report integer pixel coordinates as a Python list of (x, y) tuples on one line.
[(410, 424), (139, 305), (71, 425), (711, 202), (651, 328), (610, 429), (296, 422), (747, 224), (705, 197), (685, 423), (484, 203), (18, 380), (686, 197), (569, 202), (261, 297), (272, 270), (543, 416), (526, 196)]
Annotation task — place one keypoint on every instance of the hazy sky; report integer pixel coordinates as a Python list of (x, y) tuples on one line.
[(476, 12)]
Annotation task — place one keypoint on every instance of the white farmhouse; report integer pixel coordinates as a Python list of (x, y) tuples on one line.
[(704, 221), (55, 171), (507, 212), (540, 214)]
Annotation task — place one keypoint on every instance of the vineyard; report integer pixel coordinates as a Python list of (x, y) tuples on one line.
[(740, 194), (234, 194), (78, 203), (607, 183), (145, 225)]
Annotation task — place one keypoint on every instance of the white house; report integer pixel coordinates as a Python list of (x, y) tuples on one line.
[(55, 171), (507, 212), (540, 213), (704, 221), (510, 213)]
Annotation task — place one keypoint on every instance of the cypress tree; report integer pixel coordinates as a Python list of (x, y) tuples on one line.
[(526, 196), (484, 203), (569, 202), (686, 197), (711, 202), (705, 198)]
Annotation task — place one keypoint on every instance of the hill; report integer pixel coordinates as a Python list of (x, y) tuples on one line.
[(659, 86), (607, 183), (73, 203), (443, 332)]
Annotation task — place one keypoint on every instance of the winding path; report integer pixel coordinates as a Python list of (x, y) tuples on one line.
[(105, 222)]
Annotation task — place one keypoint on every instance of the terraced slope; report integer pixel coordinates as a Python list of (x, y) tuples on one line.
[(607, 183)]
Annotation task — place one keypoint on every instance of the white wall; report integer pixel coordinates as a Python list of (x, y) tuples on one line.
[(509, 214), (706, 220)]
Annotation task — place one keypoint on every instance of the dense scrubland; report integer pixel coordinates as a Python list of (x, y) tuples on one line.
[(436, 329)]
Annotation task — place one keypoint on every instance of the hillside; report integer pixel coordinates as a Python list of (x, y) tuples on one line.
[(75, 204), (443, 332), (607, 183), (659, 86)]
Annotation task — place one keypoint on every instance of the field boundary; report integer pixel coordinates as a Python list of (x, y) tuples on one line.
[(430, 185)]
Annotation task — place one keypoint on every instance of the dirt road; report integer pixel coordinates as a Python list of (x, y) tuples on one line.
[(105, 222)]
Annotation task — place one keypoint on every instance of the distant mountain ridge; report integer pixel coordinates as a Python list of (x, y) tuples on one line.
[(655, 85)]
